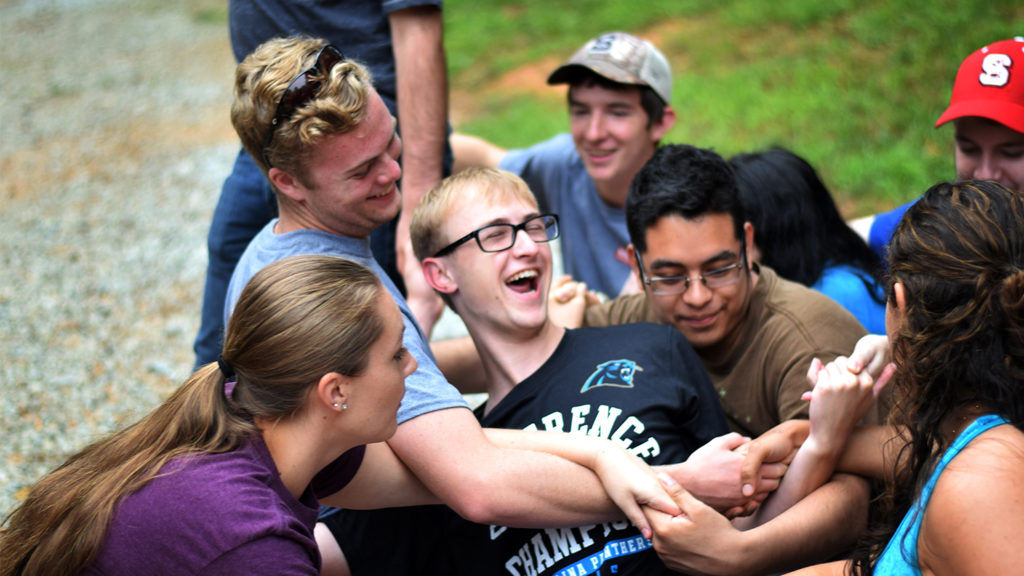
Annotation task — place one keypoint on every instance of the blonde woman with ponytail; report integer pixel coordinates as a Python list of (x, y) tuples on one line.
[(226, 476)]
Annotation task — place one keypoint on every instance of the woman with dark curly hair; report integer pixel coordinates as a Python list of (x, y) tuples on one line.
[(954, 460)]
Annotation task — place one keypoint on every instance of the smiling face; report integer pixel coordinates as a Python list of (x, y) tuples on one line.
[(351, 185), (377, 392), (680, 247), (505, 290), (988, 150), (611, 133)]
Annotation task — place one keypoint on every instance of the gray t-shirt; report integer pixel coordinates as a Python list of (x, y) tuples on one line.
[(594, 235), (426, 389)]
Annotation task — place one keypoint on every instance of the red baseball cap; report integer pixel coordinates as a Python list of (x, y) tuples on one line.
[(990, 84)]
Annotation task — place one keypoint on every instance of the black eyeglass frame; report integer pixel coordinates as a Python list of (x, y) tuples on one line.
[(301, 90), (475, 234), (740, 264)]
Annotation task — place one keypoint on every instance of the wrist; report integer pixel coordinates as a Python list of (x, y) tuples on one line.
[(682, 473), (821, 449), (743, 554)]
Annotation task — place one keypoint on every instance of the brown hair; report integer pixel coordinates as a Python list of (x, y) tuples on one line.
[(959, 254), (298, 319)]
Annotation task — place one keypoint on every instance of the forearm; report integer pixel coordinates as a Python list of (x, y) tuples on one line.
[(470, 151), (579, 449), (422, 85), (871, 452), (811, 468), (825, 523), (492, 484)]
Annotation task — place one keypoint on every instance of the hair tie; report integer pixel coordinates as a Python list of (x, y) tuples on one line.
[(225, 368)]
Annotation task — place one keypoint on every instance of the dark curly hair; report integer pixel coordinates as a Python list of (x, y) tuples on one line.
[(959, 254)]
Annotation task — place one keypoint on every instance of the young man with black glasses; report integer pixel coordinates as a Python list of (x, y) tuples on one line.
[(482, 241)]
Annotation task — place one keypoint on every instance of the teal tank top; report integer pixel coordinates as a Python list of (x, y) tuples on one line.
[(900, 555)]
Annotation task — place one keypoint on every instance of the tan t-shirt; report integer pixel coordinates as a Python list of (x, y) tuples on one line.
[(761, 377)]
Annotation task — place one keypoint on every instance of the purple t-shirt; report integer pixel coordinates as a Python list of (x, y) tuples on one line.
[(220, 514)]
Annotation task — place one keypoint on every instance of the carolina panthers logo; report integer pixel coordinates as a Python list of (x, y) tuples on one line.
[(618, 373)]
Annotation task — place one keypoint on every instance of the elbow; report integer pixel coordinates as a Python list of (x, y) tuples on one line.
[(478, 503), (480, 510), (480, 499)]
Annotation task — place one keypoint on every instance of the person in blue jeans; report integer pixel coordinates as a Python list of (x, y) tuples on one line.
[(954, 458), (987, 112), (401, 42)]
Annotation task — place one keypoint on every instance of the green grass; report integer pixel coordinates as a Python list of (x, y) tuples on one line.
[(853, 86)]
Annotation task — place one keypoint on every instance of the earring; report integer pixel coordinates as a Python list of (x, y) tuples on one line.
[(335, 404), (344, 406)]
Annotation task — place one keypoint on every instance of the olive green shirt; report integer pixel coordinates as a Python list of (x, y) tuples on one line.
[(761, 377)]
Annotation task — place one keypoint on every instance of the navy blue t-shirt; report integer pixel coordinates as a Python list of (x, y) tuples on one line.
[(359, 29)]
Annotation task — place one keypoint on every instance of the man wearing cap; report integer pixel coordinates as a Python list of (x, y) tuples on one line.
[(620, 87), (987, 111)]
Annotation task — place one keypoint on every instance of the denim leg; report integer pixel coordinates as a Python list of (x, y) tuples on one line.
[(245, 206)]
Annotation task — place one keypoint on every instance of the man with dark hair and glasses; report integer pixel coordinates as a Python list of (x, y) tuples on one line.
[(755, 333), (331, 149)]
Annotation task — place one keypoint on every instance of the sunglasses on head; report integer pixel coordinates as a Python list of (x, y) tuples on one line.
[(301, 90)]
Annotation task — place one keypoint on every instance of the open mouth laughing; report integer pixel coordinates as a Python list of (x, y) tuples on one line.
[(524, 282)]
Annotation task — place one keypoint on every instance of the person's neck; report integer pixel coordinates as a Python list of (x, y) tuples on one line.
[(613, 193), (509, 357), (293, 220), (959, 419), (299, 449)]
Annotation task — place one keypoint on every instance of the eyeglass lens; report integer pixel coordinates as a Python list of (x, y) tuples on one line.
[(498, 237)]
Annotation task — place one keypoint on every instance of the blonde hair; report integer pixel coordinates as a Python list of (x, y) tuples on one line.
[(263, 76), (475, 184), (298, 319)]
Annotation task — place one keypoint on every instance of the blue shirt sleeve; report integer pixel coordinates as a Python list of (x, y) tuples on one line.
[(882, 228)]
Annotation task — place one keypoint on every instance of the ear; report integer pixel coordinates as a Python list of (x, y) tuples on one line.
[(660, 128), (748, 237), (287, 184), (332, 391), (633, 263), (435, 270), (899, 291)]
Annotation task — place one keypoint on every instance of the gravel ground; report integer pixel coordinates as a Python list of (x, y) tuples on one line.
[(115, 139)]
